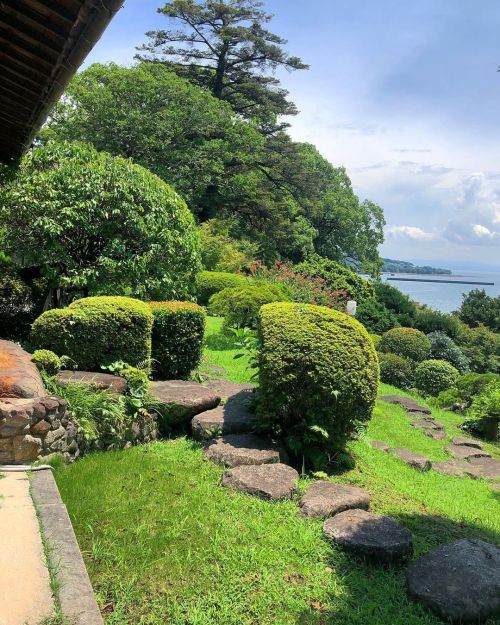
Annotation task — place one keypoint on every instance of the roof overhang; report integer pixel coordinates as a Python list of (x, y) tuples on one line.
[(42, 45)]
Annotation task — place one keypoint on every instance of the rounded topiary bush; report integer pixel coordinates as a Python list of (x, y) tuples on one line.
[(240, 306), (406, 342), (397, 371), (434, 376), (444, 348), (47, 361), (210, 282), (97, 330), (178, 330), (318, 373)]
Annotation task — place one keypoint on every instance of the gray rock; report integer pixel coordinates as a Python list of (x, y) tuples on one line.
[(428, 425), (233, 417), (406, 402), (468, 442), (53, 436), (451, 467), (437, 435), (323, 499), (414, 460), (460, 581), (267, 481), (234, 450), (94, 379), (376, 537), (26, 448), (226, 389), (380, 445), (465, 452), (488, 468), (181, 400)]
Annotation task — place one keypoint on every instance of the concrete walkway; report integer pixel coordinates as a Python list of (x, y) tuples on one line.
[(25, 595)]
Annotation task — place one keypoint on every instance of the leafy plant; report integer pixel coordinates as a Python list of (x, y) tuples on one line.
[(406, 342), (248, 341), (47, 361), (397, 371), (376, 317), (444, 348), (240, 306), (479, 308), (434, 376), (210, 282)]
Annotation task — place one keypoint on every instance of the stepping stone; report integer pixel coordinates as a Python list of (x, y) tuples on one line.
[(468, 442), (226, 389), (234, 450), (233, 417), (409, 404), (495, 486), (101, 381), (451, 467), (267, 481), (428, 425), (465, 452), (460, 582), (377, 537), (488, 468), (324, 499), (380, 445), (182, 400), (437, 435), (414, 460)]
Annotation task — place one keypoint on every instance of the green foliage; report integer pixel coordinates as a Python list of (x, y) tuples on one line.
[(220, 251), (210, 282), (137, 379), (16, 304), (428, 320), (466, 388), (97, 330), (397, 371), (444, 348), (406, 342), (376, 317), (487, 403), (318, 378), (434, 376), (47, 361), (375, 339), (481, 346), (402, 266), (240, 305), (99, 224), (178, 330), (478, 308), (397, 302)]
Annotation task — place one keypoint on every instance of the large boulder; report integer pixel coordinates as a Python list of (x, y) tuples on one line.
[(460, 581), (19, 377), (180, 401), (323, 499)]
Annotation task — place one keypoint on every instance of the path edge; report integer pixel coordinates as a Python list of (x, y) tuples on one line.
[(75, 592)]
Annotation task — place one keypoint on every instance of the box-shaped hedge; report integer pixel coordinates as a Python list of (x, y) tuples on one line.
[(319, 375), (97, 330), (178, 331)]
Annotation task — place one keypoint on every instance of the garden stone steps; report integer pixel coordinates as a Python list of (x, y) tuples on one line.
[(482, 467), (409, 404), (380, 445), (417, 461), (323, 499), (427, 425), (466, 452), (101, 381), (437, 435), (233, 417), (373, 536), (234, 450), (468, 442), (267, 481), (183, 400)]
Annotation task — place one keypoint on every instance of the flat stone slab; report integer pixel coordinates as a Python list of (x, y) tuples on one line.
[(409, 404), (460, 581), (234, 450), (465, 452), (421, 463), (19, 377), (371, 535), (437, 435), (380, 445), (226, 388), (451, 467), (103, 381), (428, 425), (468, 442), (183, 400), (233, 417), (488, 468), (323, 499), (267, 481)]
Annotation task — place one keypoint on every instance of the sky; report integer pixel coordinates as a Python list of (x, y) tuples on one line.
[(405, 95)]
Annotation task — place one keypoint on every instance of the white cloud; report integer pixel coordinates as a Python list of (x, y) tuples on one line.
[(409, 232)]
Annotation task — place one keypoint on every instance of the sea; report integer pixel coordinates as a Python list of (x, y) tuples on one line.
[(445, 297)]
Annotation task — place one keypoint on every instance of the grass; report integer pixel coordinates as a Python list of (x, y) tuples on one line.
[(165, 543)]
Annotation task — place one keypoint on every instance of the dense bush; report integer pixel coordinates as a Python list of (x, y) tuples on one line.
[(406, 342), (47, 361), (466, 388), (97, 330), (375, 338), (479, 308), (484, 414), (376, 317), (397, 371), (240, 306), (178, 330), (16, 305), (318, 378), (434, 376), (210, 282), (397, 303), (220, 251), (96, 224), (428, 320), (481, 346), (444, 348)]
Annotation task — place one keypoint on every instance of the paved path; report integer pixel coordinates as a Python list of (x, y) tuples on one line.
[(25, 596)]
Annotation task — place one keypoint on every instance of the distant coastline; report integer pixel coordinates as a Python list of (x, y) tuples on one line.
[(401, 266)]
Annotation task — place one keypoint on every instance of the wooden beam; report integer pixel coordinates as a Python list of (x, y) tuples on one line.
[(52, 9), (26, 54), (22, 75), (34, 18), (19, 29), (13, 81)]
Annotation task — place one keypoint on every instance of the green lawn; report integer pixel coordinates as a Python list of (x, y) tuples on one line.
[(166, 544)]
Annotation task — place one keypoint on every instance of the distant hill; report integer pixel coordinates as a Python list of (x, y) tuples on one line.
[(401, 266)]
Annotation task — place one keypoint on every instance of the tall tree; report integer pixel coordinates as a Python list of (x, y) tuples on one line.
[(223, 45)]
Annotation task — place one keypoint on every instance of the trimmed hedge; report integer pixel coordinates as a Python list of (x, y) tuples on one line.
[(178, 331), (47, 361), (434, 376), (318, 378), (97, 330), (397, 371), (210, 282), (407, 343)]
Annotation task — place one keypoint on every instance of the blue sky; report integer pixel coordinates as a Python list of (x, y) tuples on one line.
[(405, 95)]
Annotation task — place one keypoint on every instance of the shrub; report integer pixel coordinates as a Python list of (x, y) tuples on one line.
[(137, 379), (482, 348), (178, 330), (434, 376), (97, 330), (240, 306), (428, 320), (397, 371), (375, 338), (406, 342), (47, 361), (396, 302), (210, 282), (466, 388), (479, 308), (376, 317), (318, 378), (96, 223), (484, 414), (444, 348), (16, 305)]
